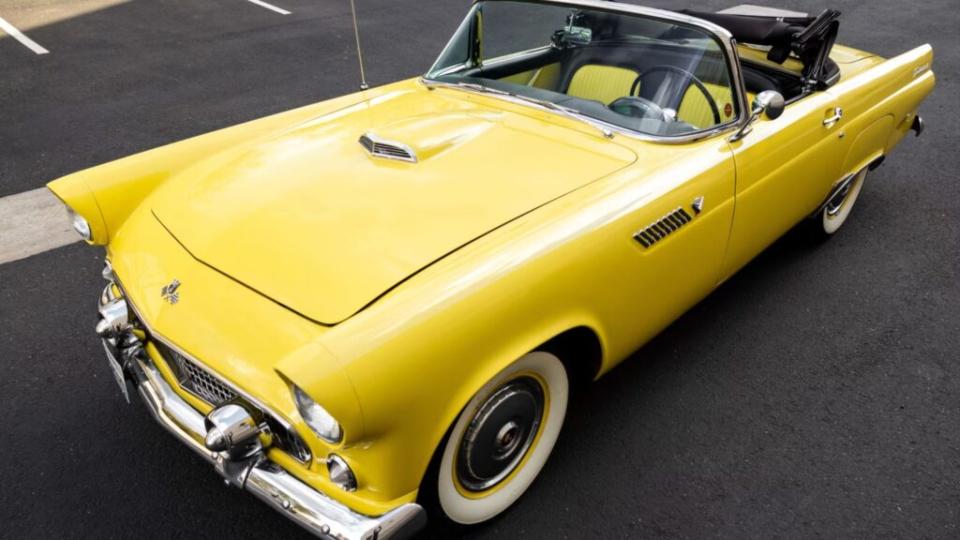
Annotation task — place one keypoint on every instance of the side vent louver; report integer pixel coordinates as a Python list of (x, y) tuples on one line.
[(378, 147), (663, 227)]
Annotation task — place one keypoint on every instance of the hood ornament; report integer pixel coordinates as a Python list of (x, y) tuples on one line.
[(171, 292)]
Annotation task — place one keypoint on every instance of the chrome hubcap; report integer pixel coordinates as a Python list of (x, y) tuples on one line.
[(500, 434)]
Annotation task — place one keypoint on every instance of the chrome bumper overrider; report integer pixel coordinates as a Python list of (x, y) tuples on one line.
[(253, 472)]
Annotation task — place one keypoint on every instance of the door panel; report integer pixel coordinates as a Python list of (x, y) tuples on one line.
[(785, 168)]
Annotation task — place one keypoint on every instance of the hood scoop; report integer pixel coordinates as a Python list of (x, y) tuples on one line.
[(383, 148)]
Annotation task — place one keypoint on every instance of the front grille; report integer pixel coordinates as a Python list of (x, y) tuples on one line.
[(195, 379), (211, 389), (205, 386)]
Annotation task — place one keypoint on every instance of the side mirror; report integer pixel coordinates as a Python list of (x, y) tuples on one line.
[(768, 104)]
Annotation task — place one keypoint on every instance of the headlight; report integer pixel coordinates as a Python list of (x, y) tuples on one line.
[(80, 225), (319, 420)]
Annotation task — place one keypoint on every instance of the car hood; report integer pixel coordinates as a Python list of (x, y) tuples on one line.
[(310, 219)]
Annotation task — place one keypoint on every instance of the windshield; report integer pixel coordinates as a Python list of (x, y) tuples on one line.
[(628, 71)]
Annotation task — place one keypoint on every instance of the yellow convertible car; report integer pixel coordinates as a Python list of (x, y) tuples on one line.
[(372, 309)]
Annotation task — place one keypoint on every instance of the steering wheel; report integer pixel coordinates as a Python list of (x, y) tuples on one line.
[(635, 87), (638, 107)]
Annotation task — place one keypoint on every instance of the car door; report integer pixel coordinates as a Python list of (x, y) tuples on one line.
[(785, 168)]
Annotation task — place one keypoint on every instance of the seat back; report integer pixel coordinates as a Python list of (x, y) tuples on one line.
[(601, 83)]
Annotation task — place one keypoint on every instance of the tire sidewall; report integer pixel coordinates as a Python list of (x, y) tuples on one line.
[(464, 510), (832, 224)]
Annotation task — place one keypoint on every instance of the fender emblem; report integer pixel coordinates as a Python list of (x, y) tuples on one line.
[(697, 205), (171, 292)]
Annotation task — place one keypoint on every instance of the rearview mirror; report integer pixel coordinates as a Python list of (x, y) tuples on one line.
[(768, 104)]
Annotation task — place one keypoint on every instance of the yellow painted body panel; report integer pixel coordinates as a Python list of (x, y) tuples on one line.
[(557, 254), (786, 168), (285, 194), (850, 61)]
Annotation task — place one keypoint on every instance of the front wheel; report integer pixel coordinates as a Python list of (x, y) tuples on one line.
[(501, 440)]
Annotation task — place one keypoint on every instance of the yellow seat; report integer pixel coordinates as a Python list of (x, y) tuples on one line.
[(695, 109), (601, 83)]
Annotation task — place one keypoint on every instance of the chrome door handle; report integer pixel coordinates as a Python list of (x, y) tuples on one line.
[(837, 116)]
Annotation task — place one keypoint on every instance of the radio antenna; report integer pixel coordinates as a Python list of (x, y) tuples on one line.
[(356, 34)]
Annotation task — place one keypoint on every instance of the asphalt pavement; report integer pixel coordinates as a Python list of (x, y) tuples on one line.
[(814, 395)]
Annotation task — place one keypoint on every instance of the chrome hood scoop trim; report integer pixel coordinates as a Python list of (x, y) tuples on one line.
[(382, 148)]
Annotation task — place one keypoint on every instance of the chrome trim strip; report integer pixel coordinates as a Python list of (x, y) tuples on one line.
[(696, 136), (494, 62), (721, 34)]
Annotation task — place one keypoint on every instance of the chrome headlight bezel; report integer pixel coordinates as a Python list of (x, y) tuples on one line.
[(321, 422)]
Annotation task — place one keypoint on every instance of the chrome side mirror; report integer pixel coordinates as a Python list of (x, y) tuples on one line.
[(769, 104)]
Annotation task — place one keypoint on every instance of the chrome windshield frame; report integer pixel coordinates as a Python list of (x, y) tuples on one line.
[(720, 34)]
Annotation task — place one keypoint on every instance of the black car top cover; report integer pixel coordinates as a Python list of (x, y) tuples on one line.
[(810, 38)]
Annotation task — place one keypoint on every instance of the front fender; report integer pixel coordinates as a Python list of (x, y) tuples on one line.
[(106, 195)]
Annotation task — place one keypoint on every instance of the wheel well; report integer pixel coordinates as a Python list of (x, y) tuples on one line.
[(580, 351)]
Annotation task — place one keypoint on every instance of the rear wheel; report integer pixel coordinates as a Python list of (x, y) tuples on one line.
[(836, 211), (500, 441)]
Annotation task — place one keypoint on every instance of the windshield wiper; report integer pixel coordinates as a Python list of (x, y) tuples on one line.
[(549, 105)]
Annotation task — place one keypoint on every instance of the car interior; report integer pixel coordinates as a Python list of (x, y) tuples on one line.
[(597, 63)]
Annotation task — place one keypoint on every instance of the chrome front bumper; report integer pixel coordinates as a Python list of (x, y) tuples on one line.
[(308, 507)]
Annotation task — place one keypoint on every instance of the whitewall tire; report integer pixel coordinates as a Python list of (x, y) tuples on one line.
[(837, 209), (502, 439)]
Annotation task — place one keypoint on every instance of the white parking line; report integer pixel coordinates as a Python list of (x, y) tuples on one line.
[(269, 6), (19, 36), (32, 222)]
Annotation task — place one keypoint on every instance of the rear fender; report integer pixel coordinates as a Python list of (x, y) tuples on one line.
[(882, 103)]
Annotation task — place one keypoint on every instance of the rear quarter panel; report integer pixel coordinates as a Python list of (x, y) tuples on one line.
[(880, 104)]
